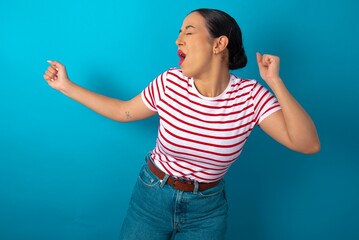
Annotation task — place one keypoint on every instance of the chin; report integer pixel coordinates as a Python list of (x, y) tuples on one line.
[(186, 72)]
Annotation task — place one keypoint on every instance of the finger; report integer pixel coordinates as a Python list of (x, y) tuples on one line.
[(50, 75), (57, 65), (263, 60), (272, 58), (48, 78), (275, 59), (52, 69), (267, 60), (259, 59)]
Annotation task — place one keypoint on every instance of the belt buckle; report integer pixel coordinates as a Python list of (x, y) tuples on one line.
[(183, 180), (183, 184)]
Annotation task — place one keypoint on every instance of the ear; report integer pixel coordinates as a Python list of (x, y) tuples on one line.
[(220, 44)]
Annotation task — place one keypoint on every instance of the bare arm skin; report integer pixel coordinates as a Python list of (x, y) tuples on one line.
[(291, 126), (115, 109)]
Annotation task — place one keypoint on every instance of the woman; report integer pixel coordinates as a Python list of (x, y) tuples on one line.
[(206, 115)]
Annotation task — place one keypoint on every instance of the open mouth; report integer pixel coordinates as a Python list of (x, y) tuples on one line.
[(182, 56)]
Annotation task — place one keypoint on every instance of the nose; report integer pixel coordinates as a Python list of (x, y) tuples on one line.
[(179, 40)]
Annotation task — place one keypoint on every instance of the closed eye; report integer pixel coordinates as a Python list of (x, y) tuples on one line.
[(186, 28)]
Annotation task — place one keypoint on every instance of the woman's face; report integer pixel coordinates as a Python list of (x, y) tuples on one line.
[(195, 46)]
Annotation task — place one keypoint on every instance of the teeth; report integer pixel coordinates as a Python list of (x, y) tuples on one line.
[(181, 54)]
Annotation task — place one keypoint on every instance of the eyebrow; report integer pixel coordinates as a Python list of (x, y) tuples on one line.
[(187, 27)]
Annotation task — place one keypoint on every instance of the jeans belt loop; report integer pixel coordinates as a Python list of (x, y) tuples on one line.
[(164, 180), (196, 187)]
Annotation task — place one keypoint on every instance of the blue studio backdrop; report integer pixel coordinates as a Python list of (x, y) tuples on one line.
[(67, 172)]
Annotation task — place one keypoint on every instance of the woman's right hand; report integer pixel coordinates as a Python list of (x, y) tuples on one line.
[(56, 76)]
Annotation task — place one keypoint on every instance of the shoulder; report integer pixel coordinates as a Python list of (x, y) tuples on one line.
[(244, 84)]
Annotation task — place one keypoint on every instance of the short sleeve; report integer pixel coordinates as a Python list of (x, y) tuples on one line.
[(154, 92), (265, 103)]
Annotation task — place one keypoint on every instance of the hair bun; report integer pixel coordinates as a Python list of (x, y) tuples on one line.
[(237, 59)]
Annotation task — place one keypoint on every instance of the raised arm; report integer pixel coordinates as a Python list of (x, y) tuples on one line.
[(115, 109), (291, 126)]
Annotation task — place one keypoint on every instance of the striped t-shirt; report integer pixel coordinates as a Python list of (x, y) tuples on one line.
[(200, 137)]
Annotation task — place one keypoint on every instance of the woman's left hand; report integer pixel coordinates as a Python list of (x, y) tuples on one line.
[(268, 67)]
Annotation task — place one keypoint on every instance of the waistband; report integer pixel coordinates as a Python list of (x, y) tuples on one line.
[(182, 184)]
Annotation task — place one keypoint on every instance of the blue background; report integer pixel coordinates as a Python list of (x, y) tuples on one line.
[(67, 173)]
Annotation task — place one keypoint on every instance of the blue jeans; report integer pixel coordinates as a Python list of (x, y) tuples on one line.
[(158, 211)]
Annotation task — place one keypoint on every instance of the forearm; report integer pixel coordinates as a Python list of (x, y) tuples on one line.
[(299, 125), (109, 107), (122, 111)]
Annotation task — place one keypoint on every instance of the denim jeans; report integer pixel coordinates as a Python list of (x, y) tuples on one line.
[(157, 211)]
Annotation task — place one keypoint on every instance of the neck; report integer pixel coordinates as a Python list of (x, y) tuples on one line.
[(212, 83)]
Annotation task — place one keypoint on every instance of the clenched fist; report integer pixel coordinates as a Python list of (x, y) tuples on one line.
[(268, 67), (56, 76)]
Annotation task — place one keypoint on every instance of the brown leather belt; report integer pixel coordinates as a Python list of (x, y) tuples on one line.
[(180, 183)]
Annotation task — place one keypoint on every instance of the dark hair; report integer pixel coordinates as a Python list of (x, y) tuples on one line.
[(219, 24)]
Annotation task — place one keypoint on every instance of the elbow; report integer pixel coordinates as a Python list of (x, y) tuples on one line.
[(311, 148)]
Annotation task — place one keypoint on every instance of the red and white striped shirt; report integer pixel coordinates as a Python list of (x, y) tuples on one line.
[(200, 137)]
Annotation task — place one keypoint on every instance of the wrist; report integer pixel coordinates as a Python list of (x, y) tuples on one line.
[(274, 82), (67, 87)]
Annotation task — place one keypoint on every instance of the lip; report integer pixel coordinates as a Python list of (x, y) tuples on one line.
[(182, 56)]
